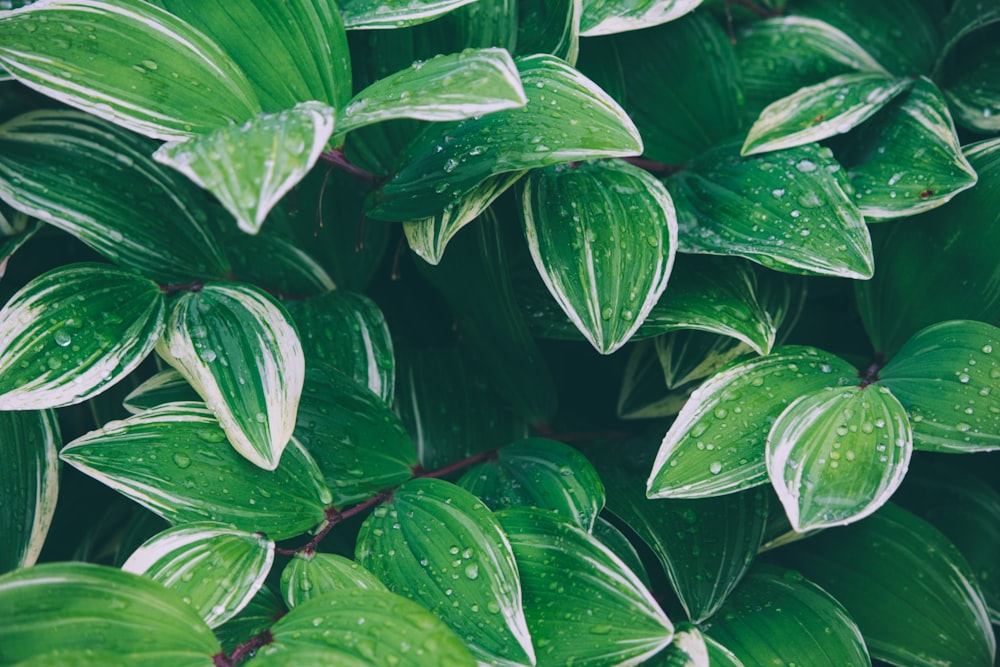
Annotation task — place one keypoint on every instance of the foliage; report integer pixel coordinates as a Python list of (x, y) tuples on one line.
[(691, 307)]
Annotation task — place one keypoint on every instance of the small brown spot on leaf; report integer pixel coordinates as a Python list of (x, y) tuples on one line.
[(926, 193)]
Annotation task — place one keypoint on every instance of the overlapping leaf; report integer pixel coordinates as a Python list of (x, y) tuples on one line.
[(970, 81), (277, 265), (239, 349), (605, 17), (614, 539), (73, 332), (687, 649), (167, 386), (547, 26), (372, 14), (309, 575), (259, 615)]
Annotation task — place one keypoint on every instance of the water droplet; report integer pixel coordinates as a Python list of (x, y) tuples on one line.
[(963, 378), (715, 467), (987, 349), (806, 166), (962, 427), (62, 338), (472, 571), (182, 460), (450, 165)]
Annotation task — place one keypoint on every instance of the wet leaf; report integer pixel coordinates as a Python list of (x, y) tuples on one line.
[(614, 539), (309, 575), (605, 17), (372, 14), (167, 386), (549, 26)]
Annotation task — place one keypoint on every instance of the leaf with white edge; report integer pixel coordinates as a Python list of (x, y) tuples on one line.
[(818, 112), (582, 603), (436, 543), (834, 456), (971, 82), (257, 616), (73, 332), (947, 377), (175, 461), (603, 237), (719, 655), (215, 568), (688, 356), (98, 183), (360, 628), (908, 588), (126, 61), (310, 574), (614, 539), (101, 609), (716, 444), (606, 17), (238, 348), (966, 17), (275, 264), (376, 14), (549, 26), (446, 87), (789, 211), (167, 386), (644, 394), (567, 118), (910, 157), (542, 473), (800, 623), (29, 484), (250, 167), (688, 649), (16, 229)]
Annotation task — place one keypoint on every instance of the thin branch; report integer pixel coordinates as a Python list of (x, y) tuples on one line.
[(243, 651), (660, 169), (456, 466), (870, 374), (337, 159)]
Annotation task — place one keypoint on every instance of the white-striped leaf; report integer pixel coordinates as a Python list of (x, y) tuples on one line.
[(834, 456), (550, 26), (310, 574), (167, 386), (606, 17), (971, 82), (275, 264), (603, 237), (239, 349), (73, 332), (175, 461), (250, 167), (16, 229), (819, 112), (373, 14), (126, 61), (215, 568), (689, 648), (29, 484), (446, 87), (98, 183)]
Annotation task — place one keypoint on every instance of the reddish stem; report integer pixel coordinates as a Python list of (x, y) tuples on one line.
[(870, 374), (243, 651), (661, 169), (337, 159)]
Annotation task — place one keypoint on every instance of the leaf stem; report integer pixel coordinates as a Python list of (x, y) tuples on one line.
[(243, 651), (193, 286), (660, 169), (870, 374), (336, 158)]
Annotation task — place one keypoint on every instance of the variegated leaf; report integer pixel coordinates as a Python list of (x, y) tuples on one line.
[(373, 14), (548, 26), (167, 386), (310, 574), (606, 17)]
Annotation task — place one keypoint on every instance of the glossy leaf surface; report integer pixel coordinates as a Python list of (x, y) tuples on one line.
[(369, 14), (310, 575), (605, 17)]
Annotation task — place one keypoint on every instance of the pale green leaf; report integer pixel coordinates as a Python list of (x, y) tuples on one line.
[(373, 14), (310, 574), (549, 26), (605, 17)]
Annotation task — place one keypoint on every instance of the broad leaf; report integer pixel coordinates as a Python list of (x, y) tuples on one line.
[(446, 87), (603, 237), (819, 112), (688, 356), (645, 393), (175, 461), (29, 484), (965, 17), (98, 182), (364, 627), (614, 539), (716, 444), (215, 568), (567, 118), (239, 349), (309, 575), (907, 587), (100, 609), (789, 211), (276, 265), (798, 623), (970, 82), (371, 14), (439, 545), (73, 332), (251, 166), (719, 655), (946, 377), (548, 26), (605, 17), (582, 603), (834, 456), (129, 62), (539, 473), (167, 386)]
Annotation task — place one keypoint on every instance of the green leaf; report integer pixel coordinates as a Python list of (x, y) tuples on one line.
[(688, 649), (310, 574), (945, 377), (911, 158), (198, 561), (965, 17), (251, 166), (446, 87), (276, 264), (167, 386), (98, 183), (29, 484), (16, 229), (567, 118), (645, 393), (970, 81), (605, 274), (372, 14), (101, 609), (175, 461), (907, 587), (688, 356), (800, 623), (358, 443), (348, 331), (259, 615), (582, 603), (239, 349), (73, 332), (789, 211), (539, 473), (434, 522), (304, 42), (719, 655), (730, 416), (614, 539), (549, 26), (128, 62), (834, 456), (606, 17), (365, 627), (308, 655)]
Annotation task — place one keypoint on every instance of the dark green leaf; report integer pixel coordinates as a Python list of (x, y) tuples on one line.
[(719, 655), (439, 545), (970, 81), (605, 17), (175, 461), (614, 539), (16, 229), (167, 386), (645, 393), (688, 356), (275, 264), (309, 575), (965, 17), (549, 26), (371, 14)]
